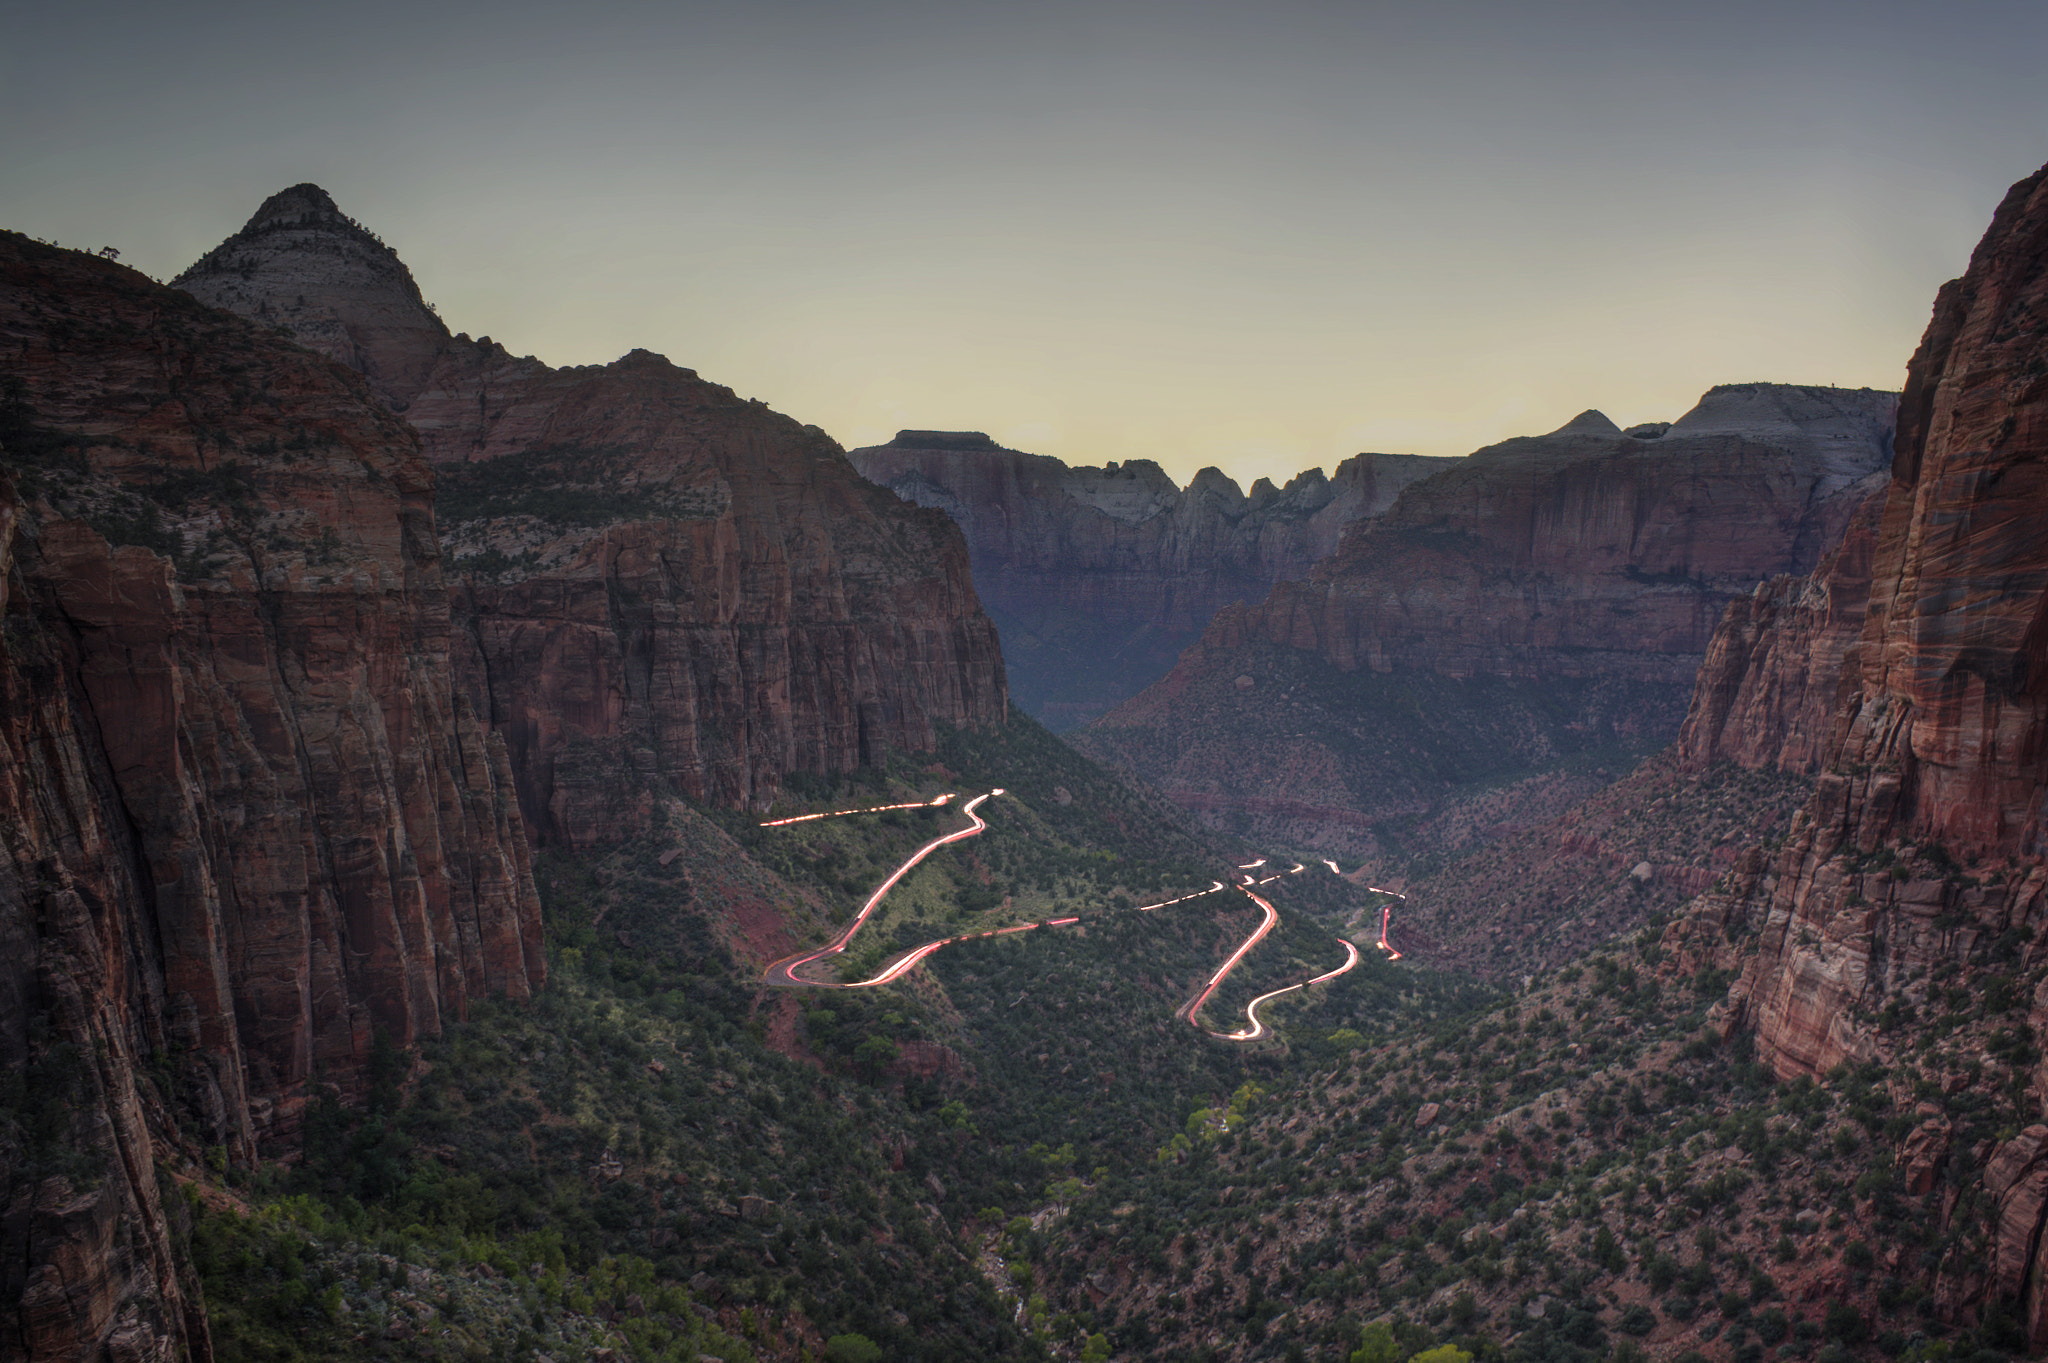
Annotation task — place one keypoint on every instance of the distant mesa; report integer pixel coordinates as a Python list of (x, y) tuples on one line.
[(942, 440)]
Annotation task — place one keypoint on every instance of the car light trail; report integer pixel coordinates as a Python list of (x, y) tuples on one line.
[(873, 809), (784, 971), (1164, 903), (1332, 865), (1251, 1010), (1194, 1005)]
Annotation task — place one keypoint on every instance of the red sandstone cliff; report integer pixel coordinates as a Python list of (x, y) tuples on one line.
[(1099, 577), (657, 582), (1547, 595), (250, 821), (1918, 864)]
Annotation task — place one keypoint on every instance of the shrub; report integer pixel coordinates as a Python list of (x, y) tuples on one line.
[(852, 1349)]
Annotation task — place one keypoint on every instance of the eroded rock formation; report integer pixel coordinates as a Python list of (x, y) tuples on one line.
[(251, 822), (1917, 866), (1099, 577), (1554, 593), (657, 583)]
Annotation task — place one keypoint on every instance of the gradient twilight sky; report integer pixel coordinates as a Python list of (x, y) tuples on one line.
[(1263, 236)]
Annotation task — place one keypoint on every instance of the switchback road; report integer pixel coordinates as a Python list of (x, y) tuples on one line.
[(783, 973)]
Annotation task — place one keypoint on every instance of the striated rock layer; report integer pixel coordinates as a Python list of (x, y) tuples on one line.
[(250, 822), (1099, 577), (1918, 862), (1560, 590), (657, 583)]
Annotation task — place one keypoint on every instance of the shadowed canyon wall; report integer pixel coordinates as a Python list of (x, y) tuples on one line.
[(656, 583), (251, 822), (1099, 577), (1547, 596)]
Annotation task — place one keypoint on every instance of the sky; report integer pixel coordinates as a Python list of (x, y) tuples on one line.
[(1260, 236)]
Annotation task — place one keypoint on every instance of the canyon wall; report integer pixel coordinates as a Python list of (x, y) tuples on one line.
[(1910, 887), (1099, 577), (1546, 597), (251, 823), (657, 584)]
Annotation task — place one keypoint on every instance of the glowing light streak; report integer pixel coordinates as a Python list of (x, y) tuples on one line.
[(1166, 903), (1194, 1005), (1332, 865), (872, 809), (1387, 918), (1253, 865), (784, 971), (1251, 1010)]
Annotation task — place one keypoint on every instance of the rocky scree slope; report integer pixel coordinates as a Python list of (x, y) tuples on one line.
[(1907, 897), (250, 822), (658, 585), (1554, 593), (1099, 577)]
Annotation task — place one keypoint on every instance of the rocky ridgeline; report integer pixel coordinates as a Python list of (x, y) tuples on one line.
[(1556, 592), (251, 821), (1099, 577), (657, 583)]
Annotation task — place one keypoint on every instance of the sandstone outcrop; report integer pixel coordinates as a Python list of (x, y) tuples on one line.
[(251, 822), (657, 584), (1919, 856), (1099, 577), (1555, 594)]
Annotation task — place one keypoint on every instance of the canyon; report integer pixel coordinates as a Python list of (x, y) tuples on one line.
[(1541, 606), (358, 681), (279, 735)]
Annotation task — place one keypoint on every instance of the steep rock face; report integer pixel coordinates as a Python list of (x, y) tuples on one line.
[(250, 822), (1098, 577), (1919, 856), (658, 584), (1588, 552), (1783, 661), (1939, 742), (1559, 591)]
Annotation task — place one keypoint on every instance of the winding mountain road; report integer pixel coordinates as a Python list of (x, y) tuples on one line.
[(783, 973)]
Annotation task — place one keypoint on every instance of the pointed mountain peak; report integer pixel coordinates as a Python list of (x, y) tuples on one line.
[(300, 206), (1592, 421), (351, 299)]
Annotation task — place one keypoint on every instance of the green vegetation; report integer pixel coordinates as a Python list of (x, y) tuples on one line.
[(820, 1166)]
